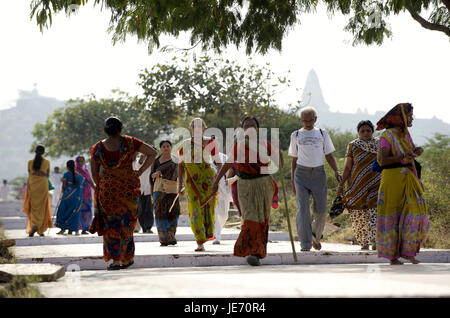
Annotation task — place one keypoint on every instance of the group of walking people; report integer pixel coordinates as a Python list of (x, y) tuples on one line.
[(387, 209), (71, 199)]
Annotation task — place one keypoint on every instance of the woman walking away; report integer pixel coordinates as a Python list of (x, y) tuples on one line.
[(117, 190), (37, 200), (69, 209), (402, 221), (164, 177), (257, 193), (360, 199), (197, 154), (86, 205)]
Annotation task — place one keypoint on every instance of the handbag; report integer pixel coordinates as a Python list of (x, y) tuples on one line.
[(337, 207), (166, 186)]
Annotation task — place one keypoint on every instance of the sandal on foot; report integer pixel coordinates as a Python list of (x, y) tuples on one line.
[(253, 260), (412, 259), (305, 249), (396, 262), (114, 267), (33, 231), (365, 248), (200, 249), (127, 265)]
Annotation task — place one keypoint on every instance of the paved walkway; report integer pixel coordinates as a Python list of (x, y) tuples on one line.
[(357, 280), (338, 270)]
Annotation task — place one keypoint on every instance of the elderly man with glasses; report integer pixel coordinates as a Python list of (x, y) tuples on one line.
[(308, 147)]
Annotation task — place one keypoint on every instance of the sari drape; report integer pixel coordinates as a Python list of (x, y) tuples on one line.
[(402, 213), (86, 206), (198, 183), (68, 214), (166, 222), (36, 203), (116, 201)]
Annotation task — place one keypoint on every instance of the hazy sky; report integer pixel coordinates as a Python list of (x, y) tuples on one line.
[(75, 57)]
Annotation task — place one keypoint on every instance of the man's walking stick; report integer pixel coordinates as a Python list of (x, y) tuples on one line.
[(286, 212)]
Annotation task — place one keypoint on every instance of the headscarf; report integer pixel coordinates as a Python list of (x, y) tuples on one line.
[(82, 170), (394, 117)]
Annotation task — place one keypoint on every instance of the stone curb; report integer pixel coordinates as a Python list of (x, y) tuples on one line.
[(46, 272), (63, 240), (205, 259)]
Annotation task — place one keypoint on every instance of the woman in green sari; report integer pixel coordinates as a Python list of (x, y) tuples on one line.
[(196, 155)]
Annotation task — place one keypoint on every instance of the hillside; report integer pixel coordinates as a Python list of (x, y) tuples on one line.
[(16, 125)]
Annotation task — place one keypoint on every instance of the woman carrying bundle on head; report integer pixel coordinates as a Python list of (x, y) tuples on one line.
[(37, 200), (402, 214), (69, 209)]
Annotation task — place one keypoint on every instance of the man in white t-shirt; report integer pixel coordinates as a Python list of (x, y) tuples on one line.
[(4, 191), (309, 146)]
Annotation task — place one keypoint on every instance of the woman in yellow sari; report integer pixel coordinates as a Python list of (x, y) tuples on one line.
[(402, 214), (196, 155), (36, 204)]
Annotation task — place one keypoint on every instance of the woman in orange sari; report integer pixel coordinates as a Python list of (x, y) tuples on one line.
[(117, 191), (37, 201)]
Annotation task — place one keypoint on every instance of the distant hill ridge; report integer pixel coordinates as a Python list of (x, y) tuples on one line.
[(313, 96), (16, 125)]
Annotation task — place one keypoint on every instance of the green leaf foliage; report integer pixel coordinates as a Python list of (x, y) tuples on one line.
[(258, 25)]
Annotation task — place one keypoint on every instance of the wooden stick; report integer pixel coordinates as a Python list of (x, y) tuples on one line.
[(286, 212), (212, 196), (175, 200)]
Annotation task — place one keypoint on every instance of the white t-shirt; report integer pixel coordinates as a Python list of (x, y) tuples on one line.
[(4, 191), (310, 147), (56, 180), (144, 178)]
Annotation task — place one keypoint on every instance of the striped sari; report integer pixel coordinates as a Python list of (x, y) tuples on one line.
[(402, 221), (360, 199)]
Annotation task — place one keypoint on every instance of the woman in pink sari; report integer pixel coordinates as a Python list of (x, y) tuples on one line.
[(86, 205)]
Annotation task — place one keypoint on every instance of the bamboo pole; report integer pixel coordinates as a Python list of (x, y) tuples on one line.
[(286, 212)]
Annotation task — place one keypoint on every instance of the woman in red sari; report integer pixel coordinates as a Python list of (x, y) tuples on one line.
[(257, 193), (117, 190)]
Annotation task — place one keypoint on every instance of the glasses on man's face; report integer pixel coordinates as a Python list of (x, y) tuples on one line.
[(307, 121)]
